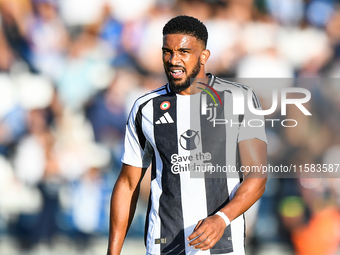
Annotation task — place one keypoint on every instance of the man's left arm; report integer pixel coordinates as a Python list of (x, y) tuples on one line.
[(253, 152)]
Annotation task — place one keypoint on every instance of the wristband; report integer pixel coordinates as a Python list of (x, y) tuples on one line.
[(224, 217)]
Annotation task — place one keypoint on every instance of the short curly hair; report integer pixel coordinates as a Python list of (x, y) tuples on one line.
[(187, 25)]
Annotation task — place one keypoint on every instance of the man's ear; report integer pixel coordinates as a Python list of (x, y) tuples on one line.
[(205, 56)]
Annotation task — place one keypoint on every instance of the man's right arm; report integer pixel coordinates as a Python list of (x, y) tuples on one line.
[(123, 205)]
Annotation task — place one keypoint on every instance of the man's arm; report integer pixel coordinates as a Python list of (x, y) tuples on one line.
[(123, 205), (253, 152)]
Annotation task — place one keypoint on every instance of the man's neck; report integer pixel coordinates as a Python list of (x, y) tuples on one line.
[(196, 86)]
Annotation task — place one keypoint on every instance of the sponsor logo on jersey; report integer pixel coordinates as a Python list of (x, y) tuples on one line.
[(165, 119), (189, 140), (193, 162), (160, 240)]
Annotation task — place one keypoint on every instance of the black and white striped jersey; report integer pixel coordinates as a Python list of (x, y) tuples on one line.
[(181, 136)]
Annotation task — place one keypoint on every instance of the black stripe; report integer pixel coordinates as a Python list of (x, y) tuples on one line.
[(217, 195), (153, 167), (254, 103), (238, 163), (244, 226), (146, 227), (170, 204), (244, 87), (167, 88), (240, 119), (138, 124), (257, 100)]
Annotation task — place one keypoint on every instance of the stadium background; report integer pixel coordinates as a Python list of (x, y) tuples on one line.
[(71, 69)]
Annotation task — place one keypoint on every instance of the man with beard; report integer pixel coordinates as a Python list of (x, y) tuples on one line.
[(188, 213)]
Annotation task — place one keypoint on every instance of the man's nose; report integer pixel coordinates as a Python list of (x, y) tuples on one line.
[(174, 59)]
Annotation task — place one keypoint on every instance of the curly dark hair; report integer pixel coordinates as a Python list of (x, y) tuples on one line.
[(187, 25)]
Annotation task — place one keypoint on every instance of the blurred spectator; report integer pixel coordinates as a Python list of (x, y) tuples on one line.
[(111, 33), (319, 12), (80, 13), (6, 56), (15, 18), (287, 12), (49, 38), (35, 161), (107, 111), (125, 12), (83, 72)]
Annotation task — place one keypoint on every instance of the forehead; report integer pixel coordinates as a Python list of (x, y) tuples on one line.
[(175, 41)]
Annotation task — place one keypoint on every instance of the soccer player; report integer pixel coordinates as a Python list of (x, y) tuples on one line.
[(187, 213)]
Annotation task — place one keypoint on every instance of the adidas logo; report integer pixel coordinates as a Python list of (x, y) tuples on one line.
[(166, 118)]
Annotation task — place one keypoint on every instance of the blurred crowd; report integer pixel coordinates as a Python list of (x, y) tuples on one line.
[(70, 71)]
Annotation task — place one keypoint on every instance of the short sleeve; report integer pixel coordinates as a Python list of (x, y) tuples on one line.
[(253, 125), (137, 150)]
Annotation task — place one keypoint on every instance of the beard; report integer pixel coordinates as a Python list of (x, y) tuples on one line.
[(185, 84)]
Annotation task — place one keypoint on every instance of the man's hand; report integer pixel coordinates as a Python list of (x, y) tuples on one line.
[(253, 152), (208, 232)]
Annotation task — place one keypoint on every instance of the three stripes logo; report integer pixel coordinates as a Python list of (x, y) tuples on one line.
[(165, 119)]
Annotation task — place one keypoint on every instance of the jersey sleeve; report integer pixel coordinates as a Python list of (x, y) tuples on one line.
[(253, 125), (137, 150)]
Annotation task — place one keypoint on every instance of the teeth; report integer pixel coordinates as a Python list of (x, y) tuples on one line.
[(176, 71)]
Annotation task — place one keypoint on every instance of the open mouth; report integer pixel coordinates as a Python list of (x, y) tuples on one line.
[(176, 73)]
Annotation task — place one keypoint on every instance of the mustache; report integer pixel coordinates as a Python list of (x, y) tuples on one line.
[(176, 66)]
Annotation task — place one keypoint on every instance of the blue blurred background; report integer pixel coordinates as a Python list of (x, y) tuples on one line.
[(70, 71)]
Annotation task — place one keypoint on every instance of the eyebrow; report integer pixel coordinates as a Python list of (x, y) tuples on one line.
[(164, 48)]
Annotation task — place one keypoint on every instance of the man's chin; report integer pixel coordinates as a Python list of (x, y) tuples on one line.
[(178, 87), (177, 82)]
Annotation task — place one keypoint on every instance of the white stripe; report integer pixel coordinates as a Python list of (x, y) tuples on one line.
[(204, 104), (163, 120), (193, 195), (237, 230), (156, 188), (168, 117)]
